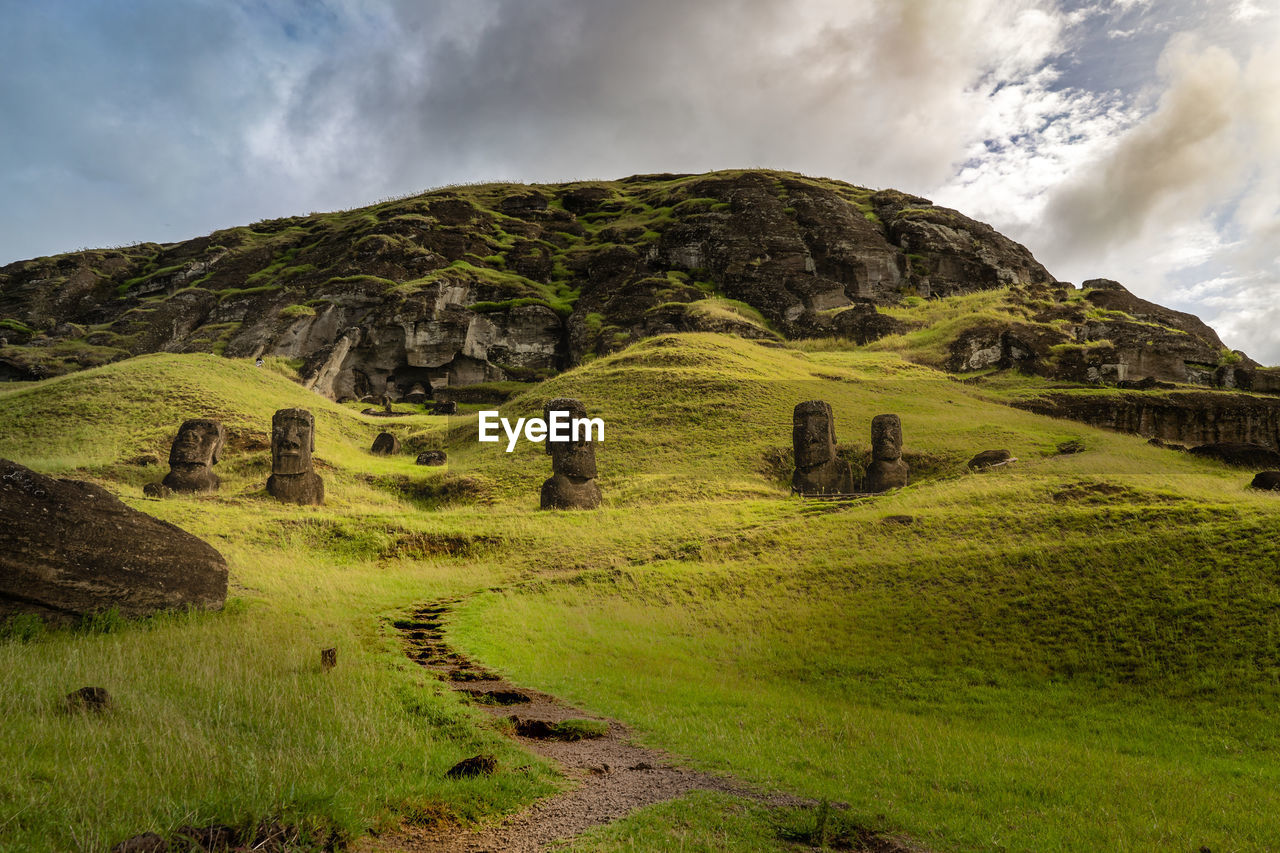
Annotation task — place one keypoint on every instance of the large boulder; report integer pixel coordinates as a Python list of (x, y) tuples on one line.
[(69, 548)]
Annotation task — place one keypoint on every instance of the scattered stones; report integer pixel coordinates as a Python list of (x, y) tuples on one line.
[(1240, 454), (328, 659), (991, 459), (69, 548), (887, 469), (194, 452), (386, 444), (148, 842), (497, 697), (1269, 480), (476, 765), (573, 464), (813, 437), (444, 407), (293, 440), (88, 699), (146, 460), (432, 457), (1073, 445)]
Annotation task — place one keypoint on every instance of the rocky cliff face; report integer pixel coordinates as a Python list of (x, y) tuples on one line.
[(469, 284), (1188, 418)]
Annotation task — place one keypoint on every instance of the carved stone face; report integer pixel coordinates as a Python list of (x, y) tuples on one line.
[(292, 441), (813, 434), (886, 437), (570, 458), (199, 442)]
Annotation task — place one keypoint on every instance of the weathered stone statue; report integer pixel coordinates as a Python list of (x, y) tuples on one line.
[(293, 440), (573, 465), (887, 470), (813, 436), (386, 444), (193, 454)]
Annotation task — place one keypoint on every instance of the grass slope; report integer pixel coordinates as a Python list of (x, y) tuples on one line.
[(1074, 652)]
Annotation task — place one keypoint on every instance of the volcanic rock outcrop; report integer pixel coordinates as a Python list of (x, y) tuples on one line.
[(471, 284), (69, 548)]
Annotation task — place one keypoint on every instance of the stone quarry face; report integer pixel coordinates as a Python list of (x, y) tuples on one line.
[(192, 456), (69, 548), (572, 484), (813, 434), (292, 441)]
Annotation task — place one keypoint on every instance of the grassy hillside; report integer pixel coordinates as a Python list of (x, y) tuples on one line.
[(1078, 651)]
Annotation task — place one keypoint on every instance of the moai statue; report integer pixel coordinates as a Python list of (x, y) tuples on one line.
[(887, 470), (192, 456), (813, 436), (385, 444), (573, 464), (293, 440)]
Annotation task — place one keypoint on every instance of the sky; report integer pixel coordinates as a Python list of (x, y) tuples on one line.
[(1137, 140)]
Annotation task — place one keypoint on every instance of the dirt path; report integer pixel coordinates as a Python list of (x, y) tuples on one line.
[(614, 777)]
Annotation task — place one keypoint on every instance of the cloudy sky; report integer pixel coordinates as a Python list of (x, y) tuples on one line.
[(1134, 139)]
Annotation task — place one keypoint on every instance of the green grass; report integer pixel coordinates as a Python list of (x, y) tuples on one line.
[(1076, 652)]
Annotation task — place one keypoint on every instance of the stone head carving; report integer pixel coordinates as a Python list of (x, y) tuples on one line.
[(573, 463), (293, 440), (886, 438), (199, 442), (813, 438), (570, 458), (813, 433), (194, 452)]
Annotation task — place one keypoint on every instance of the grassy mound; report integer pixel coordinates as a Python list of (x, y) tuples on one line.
[(1076, 651)]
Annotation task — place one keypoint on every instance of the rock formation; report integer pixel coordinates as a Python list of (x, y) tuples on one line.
[(293, 440), (432, 457), (462, 285), (813, 437), (572, 484), (990, 459), (887, 469), (385, 444), (69, 548), (194, 452), (1180, 417), (1267, 480)]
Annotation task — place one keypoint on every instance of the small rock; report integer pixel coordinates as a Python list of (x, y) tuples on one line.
[(148, 842), (328, 659), (386, 444), (432, 457), (444, 407), (156, 490), (1269, 480), (88, 699), (476, 765), (991, 459)]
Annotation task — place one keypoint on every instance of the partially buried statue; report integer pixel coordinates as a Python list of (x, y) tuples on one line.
[(573, 464), (192, 456), (887, 470), (293, 440), (813, 436)]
